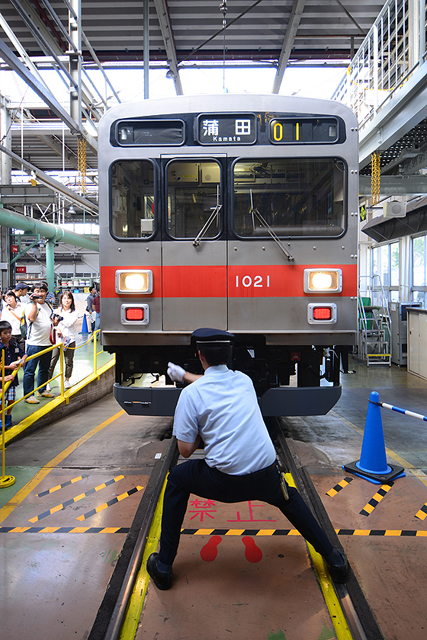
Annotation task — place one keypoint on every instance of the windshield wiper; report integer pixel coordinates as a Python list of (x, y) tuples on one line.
[(264, 223), (215, 213)]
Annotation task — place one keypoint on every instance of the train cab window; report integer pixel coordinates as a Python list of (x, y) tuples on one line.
[(194, 198), (132, 199), (289, 196)]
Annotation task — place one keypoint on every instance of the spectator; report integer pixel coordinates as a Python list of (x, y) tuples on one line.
[(13, 311), (67, 333), (89, 306), (39, 337), (21, 292), (13, 356), (96, 304)]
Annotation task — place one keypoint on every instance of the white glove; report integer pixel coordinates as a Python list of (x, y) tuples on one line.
[(175, 372)]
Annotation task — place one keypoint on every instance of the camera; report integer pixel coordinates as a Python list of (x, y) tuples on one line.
[(55, 316), (34, 297)]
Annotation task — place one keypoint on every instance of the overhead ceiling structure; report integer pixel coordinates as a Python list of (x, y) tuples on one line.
[(178, 34)]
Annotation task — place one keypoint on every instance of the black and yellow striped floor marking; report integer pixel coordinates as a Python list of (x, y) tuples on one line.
[(384, 533), (376, 499), (59, 507), (293, 532), (64, 529), (92, 512), (422, 513), (338, 487), (61, 486)]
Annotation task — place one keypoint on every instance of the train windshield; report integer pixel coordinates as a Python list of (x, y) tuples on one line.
[(194, 198), (290, 196), (132, 199)]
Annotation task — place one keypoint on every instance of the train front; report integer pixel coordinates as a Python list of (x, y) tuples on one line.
[(213, 215)]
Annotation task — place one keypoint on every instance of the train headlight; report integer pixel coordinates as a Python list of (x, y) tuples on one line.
[(134, 281), (322, 280)]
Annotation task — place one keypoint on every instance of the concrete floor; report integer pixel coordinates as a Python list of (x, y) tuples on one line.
[(236, 585)]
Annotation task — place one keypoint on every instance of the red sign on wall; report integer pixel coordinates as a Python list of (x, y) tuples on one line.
[(21, 269), (14, 248)]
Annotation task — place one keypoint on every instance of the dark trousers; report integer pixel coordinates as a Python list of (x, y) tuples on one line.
[(30, 369), (196, 477)]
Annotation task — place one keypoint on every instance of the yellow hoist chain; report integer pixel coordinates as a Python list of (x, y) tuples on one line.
[(81, 164), (375, 178)]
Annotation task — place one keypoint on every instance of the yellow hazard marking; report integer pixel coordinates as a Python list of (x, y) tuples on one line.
[(422, 513), (204, 532), (110, 503), (81, 496), (376, 499), (378, 533), (265, 532), (235, 532), (61, 486), (338, 487)]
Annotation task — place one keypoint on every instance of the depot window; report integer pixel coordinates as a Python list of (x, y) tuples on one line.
[(194, 199), (290, 196), (132, 199)]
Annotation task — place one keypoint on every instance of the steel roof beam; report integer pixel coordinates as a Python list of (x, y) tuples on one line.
[(89, 206), (33, 82), (167, 34), (293, 24)]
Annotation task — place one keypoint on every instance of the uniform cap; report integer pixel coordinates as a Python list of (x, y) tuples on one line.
[(212, 335), (21, 285)]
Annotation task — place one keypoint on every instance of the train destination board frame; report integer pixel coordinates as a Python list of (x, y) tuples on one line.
[(148, 132), (301, 130), (218, 129)]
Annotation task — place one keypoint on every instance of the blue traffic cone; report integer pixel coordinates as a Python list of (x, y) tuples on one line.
[(84, 325), (372, 465)]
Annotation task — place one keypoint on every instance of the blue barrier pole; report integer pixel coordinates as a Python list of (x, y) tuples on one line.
[(404, 411)]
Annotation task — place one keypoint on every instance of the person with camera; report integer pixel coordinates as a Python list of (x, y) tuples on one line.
[(40, 336), (67, 333)]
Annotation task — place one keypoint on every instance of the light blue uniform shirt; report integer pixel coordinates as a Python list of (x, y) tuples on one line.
[(223, 408)]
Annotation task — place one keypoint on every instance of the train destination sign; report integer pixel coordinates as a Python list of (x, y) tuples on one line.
[(304, 130), (147, 132), (217, 129)]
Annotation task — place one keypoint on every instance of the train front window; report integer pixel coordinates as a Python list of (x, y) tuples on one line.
[(132, 199), (290, 196), (194, 198)]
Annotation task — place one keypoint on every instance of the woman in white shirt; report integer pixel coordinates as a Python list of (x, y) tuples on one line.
[(12, 311), (67, 333)]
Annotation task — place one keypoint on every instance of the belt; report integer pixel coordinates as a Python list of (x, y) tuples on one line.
[(255, 475)]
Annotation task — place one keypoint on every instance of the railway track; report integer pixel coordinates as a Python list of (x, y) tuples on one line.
[(355, 610)]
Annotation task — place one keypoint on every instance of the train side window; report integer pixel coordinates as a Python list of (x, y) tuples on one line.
[(132, 199), (194, 198), (291, 196)]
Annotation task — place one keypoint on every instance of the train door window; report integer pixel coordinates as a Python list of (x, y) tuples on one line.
[(132, 199), (194, 198), (290, 196)]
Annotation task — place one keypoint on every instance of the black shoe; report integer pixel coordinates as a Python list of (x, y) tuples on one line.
[(162, 579), (337, 565)]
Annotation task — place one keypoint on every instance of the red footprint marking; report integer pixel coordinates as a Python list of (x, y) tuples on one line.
[(252, 552), (209, 552)]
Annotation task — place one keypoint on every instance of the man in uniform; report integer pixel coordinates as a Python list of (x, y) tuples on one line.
[(221, 409)]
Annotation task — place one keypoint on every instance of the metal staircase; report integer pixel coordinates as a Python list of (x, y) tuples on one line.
[(374, 323)]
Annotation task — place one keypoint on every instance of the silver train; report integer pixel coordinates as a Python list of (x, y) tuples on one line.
[(233, 212)]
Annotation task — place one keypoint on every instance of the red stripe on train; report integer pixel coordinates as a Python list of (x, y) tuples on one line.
[(263, 281)]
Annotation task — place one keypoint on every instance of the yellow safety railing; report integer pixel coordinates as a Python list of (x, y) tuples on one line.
[(5, 480)]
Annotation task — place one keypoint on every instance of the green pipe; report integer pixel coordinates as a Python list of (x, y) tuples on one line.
[(50, 264), (50, 231)]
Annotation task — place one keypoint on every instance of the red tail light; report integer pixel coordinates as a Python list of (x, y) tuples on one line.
[(134, 314), (322, 313)]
